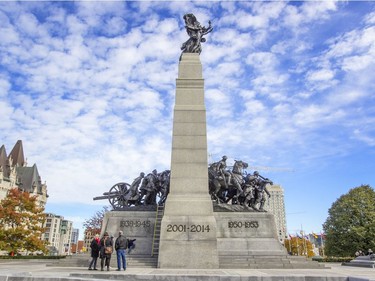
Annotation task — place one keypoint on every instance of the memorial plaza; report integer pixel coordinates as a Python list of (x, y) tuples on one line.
[(28, 270)]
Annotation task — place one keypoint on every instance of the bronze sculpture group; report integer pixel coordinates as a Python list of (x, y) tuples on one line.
[(226, 186), (236, 187), (148, 190)]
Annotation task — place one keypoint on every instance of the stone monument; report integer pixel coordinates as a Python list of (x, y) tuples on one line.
[(188, 228), (198, 228)]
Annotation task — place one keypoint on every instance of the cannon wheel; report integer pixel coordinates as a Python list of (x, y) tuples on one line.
[(117, 200)]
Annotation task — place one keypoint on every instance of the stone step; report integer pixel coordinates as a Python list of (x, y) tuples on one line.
[(256, 266), (252, 261), (267, 262), (84, 261), (254, 254)]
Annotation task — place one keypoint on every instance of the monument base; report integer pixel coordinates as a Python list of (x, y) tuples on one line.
[(189, 242), (135, 225), (362, 261), (247, 233), (249, 240)]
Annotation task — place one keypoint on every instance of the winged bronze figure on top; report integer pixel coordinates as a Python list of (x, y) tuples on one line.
[(196, 33)]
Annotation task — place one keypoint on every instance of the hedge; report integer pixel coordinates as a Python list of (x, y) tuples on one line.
[(332, 259), (32, 257)]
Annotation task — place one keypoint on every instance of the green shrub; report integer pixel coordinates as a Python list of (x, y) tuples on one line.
[(332, 259), (32, 257)]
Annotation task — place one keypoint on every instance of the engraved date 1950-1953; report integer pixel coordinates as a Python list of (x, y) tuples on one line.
[(243, 224)]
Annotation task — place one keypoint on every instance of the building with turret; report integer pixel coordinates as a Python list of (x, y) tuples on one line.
[(14, 173)]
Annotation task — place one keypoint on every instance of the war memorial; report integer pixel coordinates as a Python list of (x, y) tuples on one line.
[(207, 217), (195, 221)]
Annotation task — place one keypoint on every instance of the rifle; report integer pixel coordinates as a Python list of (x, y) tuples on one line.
[(266, 179)]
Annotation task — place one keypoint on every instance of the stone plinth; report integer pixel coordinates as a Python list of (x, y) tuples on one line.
[(188, 228), (135, 225), (249, 240), (362, 261), (247, 233)]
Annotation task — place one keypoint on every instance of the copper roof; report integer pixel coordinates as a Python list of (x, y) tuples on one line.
[(18, 159)]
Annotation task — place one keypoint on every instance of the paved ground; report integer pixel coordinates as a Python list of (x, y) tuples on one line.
[(34, 270)]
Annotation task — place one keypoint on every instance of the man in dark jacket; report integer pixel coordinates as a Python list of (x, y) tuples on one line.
[(121, 245)]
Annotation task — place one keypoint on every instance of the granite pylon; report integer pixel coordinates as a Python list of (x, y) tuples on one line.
[(188, 228)]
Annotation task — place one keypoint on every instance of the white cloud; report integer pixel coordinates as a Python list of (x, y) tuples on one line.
[(7, 110), (4, 86), (309, 11), (245, 21), (356, 42), (262, 60), (359, 134), (345, 97), (357, 63), (316, 115), (370, 18), (8, 35), (292, 16), (320, 75), (218, 103), (90, 88), (317, 10), (254, 107), (247, 94)]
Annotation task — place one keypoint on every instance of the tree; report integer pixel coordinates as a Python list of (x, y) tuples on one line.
[(299, 247), (94, 224), (350, 225), (21, 223)]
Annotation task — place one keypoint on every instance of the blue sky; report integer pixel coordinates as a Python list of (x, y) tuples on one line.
[(289, 86)]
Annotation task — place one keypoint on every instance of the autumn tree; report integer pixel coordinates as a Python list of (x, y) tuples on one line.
[(350, 225), (94, 224), (299, 247), (21, 222)]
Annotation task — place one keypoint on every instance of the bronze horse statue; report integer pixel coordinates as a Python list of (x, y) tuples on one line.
[(221, 189)]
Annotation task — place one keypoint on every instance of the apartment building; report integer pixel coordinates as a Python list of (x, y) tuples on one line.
[(75, 236), (58, 233), (276, 206)]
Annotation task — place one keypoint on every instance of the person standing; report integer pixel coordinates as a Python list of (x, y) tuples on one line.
[(106, 249), (121, 245), (95, 247)]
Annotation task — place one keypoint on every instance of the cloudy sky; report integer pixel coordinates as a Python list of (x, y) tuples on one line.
[(289, 86)]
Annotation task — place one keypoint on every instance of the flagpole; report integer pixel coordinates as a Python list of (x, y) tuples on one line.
[(303, 241), (297, 244)]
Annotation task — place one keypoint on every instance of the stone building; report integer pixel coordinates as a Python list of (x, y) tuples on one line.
[(14, 173), (276, 206)]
